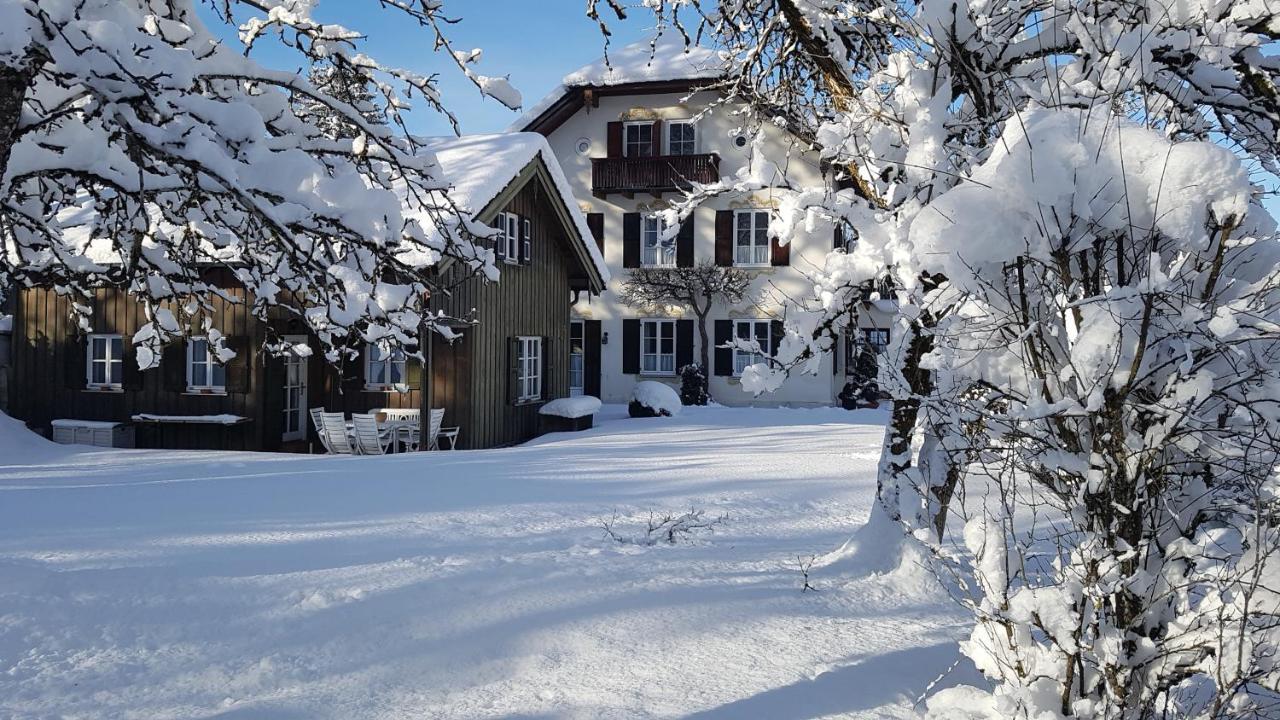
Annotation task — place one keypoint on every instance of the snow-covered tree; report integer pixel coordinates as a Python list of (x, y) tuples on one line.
[(696, 288), (1087, 345), (138, 148), (348, 85)]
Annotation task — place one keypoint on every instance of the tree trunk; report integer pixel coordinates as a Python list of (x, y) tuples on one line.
[(14, 84), (704, 356)]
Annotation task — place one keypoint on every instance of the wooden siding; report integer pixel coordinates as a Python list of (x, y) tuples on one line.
[(47, 341), (469, 378)]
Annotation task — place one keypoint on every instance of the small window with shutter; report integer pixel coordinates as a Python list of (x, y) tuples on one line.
[(529, 369), (384, 368), (510, 237), (105, 362), (681, 138), (637, 139), (745, 331), (205, 373)]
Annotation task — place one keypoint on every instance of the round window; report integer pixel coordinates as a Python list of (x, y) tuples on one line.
[(740, 141), (584, 146)]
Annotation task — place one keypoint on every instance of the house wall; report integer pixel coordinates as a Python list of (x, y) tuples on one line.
[(48, 357), (470, 377), (771, 286)]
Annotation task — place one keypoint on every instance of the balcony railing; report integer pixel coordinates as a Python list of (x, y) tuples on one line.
[(657, 174)]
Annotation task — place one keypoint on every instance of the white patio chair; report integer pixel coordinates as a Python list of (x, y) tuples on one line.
[(317, 420), (370, 439), (435, 431), (335, 428), (408, 426)]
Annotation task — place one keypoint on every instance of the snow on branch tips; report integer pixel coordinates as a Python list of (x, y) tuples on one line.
[(139, 150)]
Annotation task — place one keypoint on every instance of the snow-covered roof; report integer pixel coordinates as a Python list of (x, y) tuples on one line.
[(478, 167), (665, 59)]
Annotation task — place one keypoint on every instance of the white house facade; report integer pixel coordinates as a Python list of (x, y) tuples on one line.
[(628, 137)]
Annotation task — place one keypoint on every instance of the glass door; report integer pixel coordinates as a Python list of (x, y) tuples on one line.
[(295, 392)]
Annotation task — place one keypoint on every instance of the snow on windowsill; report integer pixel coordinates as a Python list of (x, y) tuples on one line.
[(105, 389), (572, 407), (191, 419), (205, 393), (87, 424), (402, 389)]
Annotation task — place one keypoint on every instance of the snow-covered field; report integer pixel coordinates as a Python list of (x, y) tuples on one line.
[(151, 584)]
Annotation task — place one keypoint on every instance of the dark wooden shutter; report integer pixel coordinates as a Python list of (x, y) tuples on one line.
[(837, 237), (549, 368), (353, 379), (131, 376), (413, 373), (630, 347), (273, 380), (591, 357), (595, 223), (684, 244), (500, 246), (513, 370), (776, 331), (526, 241), (75, 359), (684, 343), (723, 356), (724, 238), (779, 254), (173, 365), (615, 139), (657, 138), (631, 240), (239, 366)]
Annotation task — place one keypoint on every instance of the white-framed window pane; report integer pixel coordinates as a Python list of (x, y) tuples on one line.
[(199, 374), (638, 140), (681, 138)]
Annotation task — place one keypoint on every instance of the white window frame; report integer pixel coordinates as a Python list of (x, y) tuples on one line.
[(758, 234), (212, 366), (109, 360), (395, 360), (511, 238), (878, 347), (656, 366), (577, 360), (743, 358), (529, 370), (626, 144), (655, 254), (673, 124)]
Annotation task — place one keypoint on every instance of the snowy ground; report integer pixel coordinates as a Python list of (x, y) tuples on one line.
[(145, 584)]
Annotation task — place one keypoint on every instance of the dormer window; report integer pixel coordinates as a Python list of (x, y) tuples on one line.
[(681, 138), (637, 139)]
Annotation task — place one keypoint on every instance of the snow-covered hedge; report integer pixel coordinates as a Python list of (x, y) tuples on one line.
[(651, 398), (571, 407)]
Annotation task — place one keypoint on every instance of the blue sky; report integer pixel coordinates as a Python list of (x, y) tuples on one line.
[(535, 43)]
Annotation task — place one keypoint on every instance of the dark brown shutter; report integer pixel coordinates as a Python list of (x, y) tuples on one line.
[(513, 370), (595, 223), (526, 241), (549, 369), (273, 380), (724, 238), (239, 366), (173, 366), (684, 243), (500, 246), (591, 357), (776, 331), (779, 254), (413, 373), (630, 347), (837, 237), (657, 138), (615, 139), (131, 376), (684, 343), (353, 379), (76, 360), (723, 356), (631, 240)]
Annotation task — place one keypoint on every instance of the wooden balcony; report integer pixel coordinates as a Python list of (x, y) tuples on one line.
[(655, 175)]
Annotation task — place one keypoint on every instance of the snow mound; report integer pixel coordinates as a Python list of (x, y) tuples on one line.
[(6, 323), (659, 397), (19, 445), (572, 407)]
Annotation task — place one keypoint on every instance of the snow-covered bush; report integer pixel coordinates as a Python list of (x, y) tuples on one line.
[(693, 385), (651, 398), (1086, 352)]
